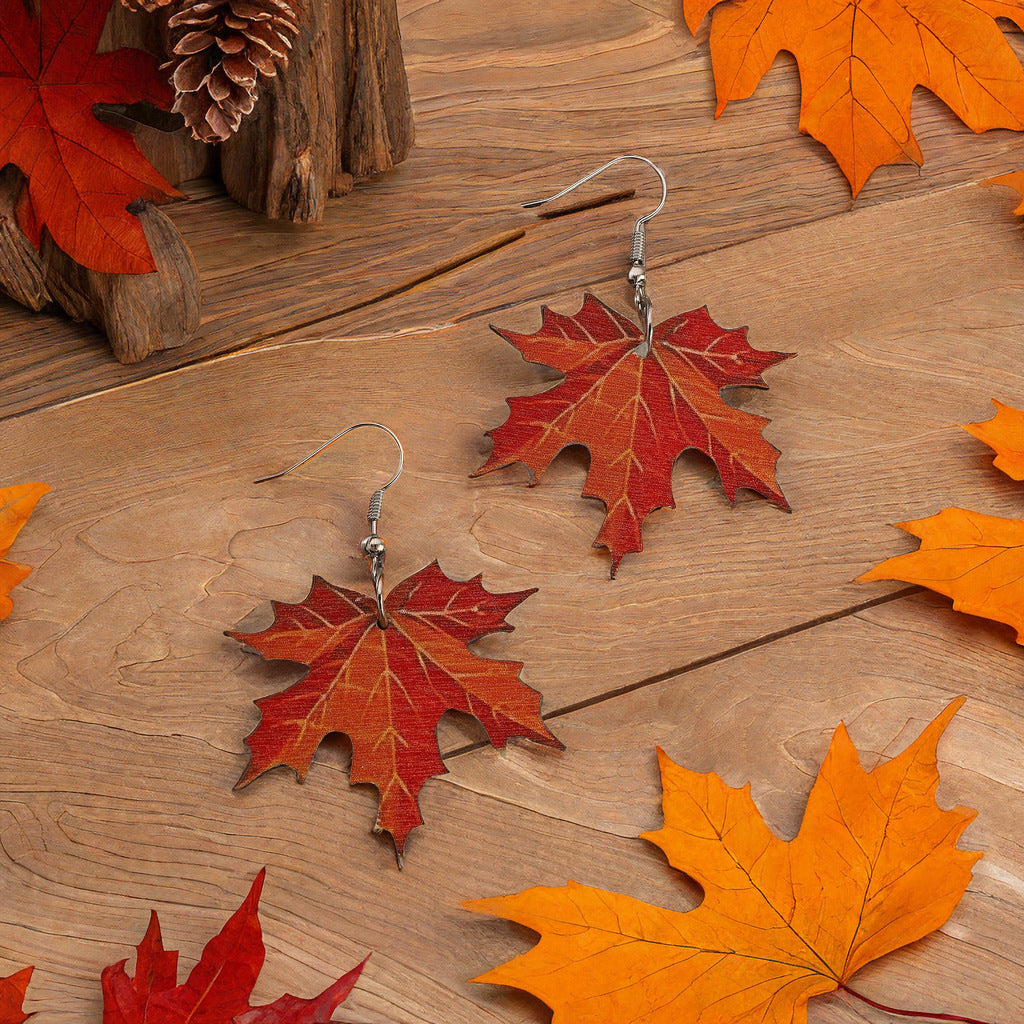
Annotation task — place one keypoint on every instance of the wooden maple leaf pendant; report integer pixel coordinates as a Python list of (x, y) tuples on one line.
[(636, 415), (387, 689)]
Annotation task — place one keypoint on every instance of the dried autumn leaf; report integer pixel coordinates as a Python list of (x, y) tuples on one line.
[(860, 61), (635, 415), (1004, 434), (388, 688), (16, 505), (12, 996), (873, 868), (82, 174), (976, 560), (1014, 180), (218, 988)]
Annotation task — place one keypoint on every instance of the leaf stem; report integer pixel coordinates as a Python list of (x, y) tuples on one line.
[(911, 1013)]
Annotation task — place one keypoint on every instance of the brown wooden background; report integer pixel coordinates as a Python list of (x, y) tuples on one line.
[(737, 640)]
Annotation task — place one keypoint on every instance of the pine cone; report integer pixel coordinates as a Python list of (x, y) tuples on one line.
[(218, 59), (145, 5)]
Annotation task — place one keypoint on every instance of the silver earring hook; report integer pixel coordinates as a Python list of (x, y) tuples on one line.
[(372, 545), (637, 245)]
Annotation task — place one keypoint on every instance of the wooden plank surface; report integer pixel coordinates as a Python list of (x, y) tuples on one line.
[(505, 112), (738, 639)]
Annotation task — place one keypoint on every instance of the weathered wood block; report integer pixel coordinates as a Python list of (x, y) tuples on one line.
[(340, 110), (139, 313)]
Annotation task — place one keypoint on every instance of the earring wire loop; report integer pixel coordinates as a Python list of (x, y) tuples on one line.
[(637, 247), (641, 221), (327, 444), (372, 546)]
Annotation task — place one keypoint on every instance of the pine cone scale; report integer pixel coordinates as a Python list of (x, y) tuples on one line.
[(221, 49)]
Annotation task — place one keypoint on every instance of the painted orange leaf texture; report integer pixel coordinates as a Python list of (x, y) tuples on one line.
[(638, 415), (874, 867), (16, 505), (860, 61), (977, 560), (12, 997), (1004, 434), (218, 988), (388, 688)]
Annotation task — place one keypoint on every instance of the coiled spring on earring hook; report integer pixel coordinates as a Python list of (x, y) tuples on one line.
[(372, 545), (637, 247)]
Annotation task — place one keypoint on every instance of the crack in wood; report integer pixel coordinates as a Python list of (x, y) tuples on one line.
[(710, 659), (457, 262), (588, 204)]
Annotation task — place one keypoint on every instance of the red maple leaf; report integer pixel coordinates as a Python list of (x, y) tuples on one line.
[(638, 415), (219, 986), (388, 688), (12, 995), (82, 174)]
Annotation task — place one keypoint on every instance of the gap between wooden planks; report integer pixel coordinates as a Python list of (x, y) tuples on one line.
[(865, 417), (113, 820), (636, 79)]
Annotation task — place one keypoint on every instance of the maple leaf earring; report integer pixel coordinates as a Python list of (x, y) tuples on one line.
[(384, 670), (637, 398)]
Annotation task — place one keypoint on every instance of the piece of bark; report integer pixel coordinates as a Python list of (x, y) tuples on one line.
[(21, 269), (164, 140), (282, 162), (139, 313), (372, 96), (340, 109), (134, 30)]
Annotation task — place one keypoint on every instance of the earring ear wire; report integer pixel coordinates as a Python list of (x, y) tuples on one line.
[(372, 545), (637, 245)]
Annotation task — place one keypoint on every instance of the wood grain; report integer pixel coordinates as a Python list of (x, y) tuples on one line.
[(864, 414), (737, 639), (122, 814), (483, 147), (886, 673), (139, 313), (339, 109)]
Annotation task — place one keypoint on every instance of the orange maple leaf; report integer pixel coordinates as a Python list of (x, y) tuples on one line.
[(16, 505), (1004, 434), (388, 688), (1014, 180), (976, 560), (860, 61), (873, 867), (637, 415)]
